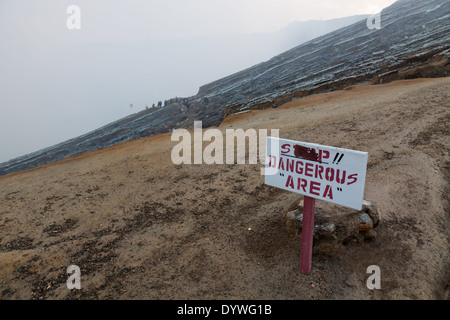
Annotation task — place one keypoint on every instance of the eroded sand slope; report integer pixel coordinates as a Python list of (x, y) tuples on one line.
[(140, 227)]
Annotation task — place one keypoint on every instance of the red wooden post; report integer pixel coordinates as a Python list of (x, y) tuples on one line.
[(307, 235)]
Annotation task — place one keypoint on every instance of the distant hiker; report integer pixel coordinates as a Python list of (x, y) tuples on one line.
[(186, 103)]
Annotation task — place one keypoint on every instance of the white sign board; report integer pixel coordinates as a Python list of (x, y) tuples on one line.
[(326, 173)]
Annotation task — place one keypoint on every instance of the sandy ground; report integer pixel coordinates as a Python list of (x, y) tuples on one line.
[(140, 227)]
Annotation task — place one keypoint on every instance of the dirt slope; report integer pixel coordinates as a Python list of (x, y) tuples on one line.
[(140, 227)]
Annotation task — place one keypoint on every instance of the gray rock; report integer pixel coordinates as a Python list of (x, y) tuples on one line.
[(373, 211), (365, 223), (326, 230)]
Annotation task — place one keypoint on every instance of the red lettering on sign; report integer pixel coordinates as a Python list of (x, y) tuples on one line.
[(290, 182), (302, 183), (329, 174), (298, 167), (290, 165), (339, 179), (309, 168), (352, 177), (328, 192), (316, 171), (319, 171), (281, 164), (323, 154), (272, 161), (314, 188), (285, 148)]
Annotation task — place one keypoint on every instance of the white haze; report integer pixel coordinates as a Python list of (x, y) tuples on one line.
[(56, 84)]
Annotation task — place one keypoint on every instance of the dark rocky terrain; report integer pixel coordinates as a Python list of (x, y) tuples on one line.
[(414, 41), (412, 33)]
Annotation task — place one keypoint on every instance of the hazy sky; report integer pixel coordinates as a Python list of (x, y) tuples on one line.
[(57, 83)]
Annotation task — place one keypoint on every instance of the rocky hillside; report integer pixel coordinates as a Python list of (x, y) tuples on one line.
[(412, 33), (414, 41)]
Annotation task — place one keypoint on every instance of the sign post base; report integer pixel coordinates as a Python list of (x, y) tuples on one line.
[(307, 235)]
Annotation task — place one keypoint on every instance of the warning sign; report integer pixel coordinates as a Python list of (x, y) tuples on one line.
[(327, 173)]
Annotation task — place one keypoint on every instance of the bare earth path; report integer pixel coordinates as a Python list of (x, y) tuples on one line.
[(140, 227)]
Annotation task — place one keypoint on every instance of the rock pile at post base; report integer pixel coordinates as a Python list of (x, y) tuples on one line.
[(341, 226)]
